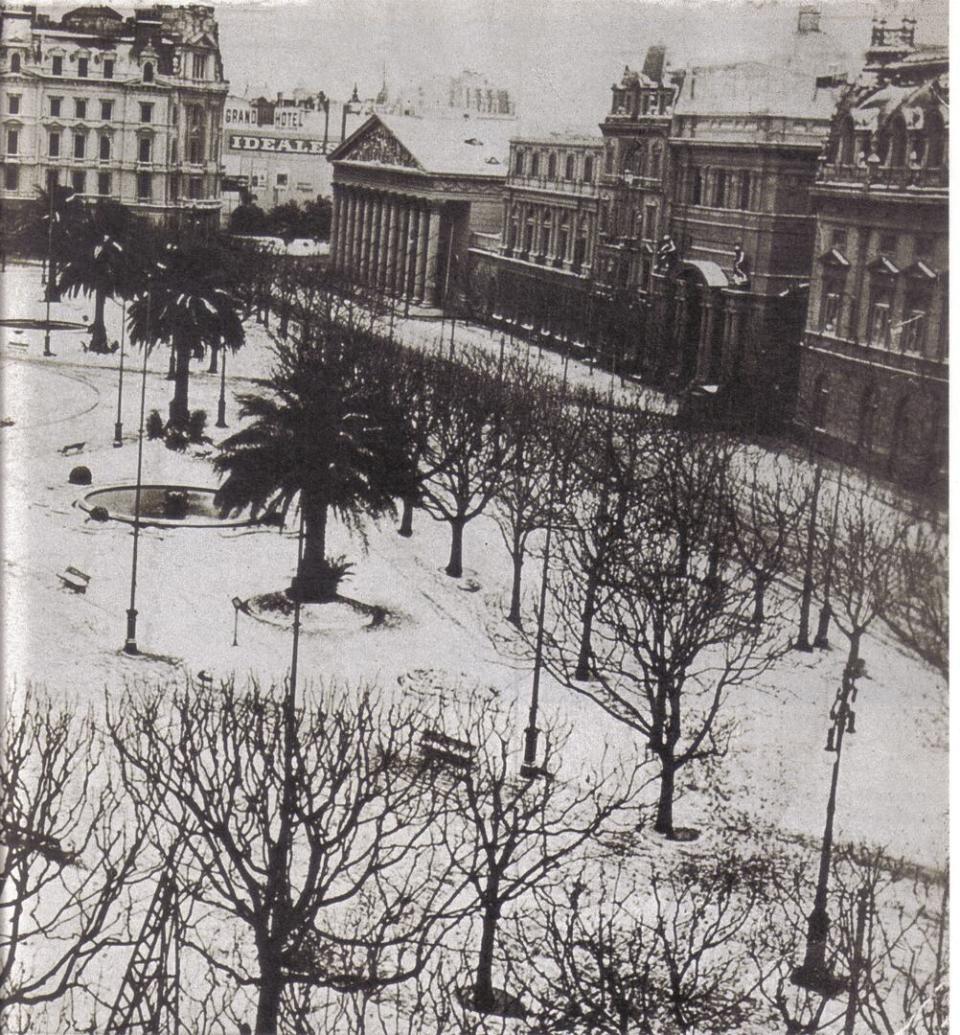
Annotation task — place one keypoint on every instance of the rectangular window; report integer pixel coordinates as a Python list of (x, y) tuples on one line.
[(888, 243), (650, 223), (103, 183), (588, 169), (838, 240), (83, 67), (53, 145), (79, 108), (195, 187), (79, 145), (56, 65), (879, 322), (11, 177), (106, 110), (199, 66), (146, 112), (913, 329), (830, 311), (282, 179), (144, 186), (13, 104), (108, 69), (55, 106), (104, 148), (145, 151), (78, 180), (13, 141)]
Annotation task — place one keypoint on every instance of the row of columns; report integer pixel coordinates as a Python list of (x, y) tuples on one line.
[(565, 230), (387, 242)]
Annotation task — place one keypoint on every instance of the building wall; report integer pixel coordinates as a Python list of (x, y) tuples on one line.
[(134, 107)]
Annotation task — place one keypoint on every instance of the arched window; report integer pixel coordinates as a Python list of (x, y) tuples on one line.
[(552, 166), (607, 160), (14, 62), (720, 189), (588, 169), (535, 164), (898, 142), (148, 72), (568, 168), (865, 420), (901, 434), (518, 162), (846, 141), (656, 158), (696, 188), (744, 201)]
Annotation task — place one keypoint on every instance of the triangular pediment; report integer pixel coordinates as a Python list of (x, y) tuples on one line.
[(374, 144)]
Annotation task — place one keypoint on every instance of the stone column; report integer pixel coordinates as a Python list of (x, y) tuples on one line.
[(431, 296), (373, 260), (421, 254), (335, 229), (391, 248), (384, 239), (366, 213), (410, 259), (403, 230), (351, 257), (704, 353)]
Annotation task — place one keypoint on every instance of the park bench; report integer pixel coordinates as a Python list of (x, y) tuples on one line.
[(75, 579), (439, 747), (72, 447)]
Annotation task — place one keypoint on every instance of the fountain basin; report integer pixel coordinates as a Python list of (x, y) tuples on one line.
[(163, 506)]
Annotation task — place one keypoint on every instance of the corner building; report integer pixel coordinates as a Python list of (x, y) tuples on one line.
[(874, 358), (113, 107)]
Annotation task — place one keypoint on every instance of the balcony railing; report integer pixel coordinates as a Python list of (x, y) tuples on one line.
[(884, 177), (555, 185)]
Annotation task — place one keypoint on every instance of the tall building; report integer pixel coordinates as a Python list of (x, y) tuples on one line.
[(123, 108), (873, 377), (467, 95)]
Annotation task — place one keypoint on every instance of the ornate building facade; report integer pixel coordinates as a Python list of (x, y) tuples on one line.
[(535, 275), (873, 379), (407, 194), (113, 107)]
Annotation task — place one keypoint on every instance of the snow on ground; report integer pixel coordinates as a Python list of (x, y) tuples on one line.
[(893, 789)]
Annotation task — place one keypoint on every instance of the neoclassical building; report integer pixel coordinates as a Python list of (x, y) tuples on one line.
[(407, 194), (873, 378), (113, 107)]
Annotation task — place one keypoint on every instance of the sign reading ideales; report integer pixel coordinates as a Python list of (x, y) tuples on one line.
[(296, 146)]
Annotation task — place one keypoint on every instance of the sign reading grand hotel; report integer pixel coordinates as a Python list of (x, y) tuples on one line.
[(282, 145)]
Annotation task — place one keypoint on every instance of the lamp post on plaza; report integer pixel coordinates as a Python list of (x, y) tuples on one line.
[(130, 645), (222, 401), (823, 624), (529, 768), (814, 973), (118, 426)]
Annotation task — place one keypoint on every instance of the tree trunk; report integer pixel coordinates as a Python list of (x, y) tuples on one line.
[(179, 408), (172, 365), (313, 583), (268, 1000), (483, 998), (514, 616), (98, 332), (584, 668), (214, 367), (53, 288), (758, 595), (455, 565), (664, 821), (406, 518)]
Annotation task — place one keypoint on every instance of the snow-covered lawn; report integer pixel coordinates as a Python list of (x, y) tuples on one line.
[(893, 789)]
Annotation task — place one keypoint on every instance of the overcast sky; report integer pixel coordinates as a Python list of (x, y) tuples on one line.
[(558, 57)]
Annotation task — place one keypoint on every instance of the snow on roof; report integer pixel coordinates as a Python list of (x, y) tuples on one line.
[(471, 147), (754, 88)]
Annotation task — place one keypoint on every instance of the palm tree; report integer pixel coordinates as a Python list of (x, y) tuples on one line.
[(331, 434), (190, 307), (101, 260)]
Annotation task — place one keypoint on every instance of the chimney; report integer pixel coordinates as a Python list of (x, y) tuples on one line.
[(654, 62), (808, 20), (907, 30)]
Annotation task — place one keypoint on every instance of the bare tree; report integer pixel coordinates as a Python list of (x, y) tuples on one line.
[(921, 618), (513, 834), (68, 853), (464, 454), (666, 951), (673, 627), (310, 830)]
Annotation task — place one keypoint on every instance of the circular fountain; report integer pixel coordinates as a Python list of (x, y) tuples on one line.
[(163, 506)]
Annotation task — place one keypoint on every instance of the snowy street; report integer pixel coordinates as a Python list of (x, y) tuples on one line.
[(893, 787)]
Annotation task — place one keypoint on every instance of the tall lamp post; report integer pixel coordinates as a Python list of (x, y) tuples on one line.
[(118, 425), (51, 285), (822, 639), (130, 644), (222, 401), (529, 768), (814, 973)]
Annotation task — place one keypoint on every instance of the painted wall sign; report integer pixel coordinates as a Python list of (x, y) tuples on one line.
[(279, 145)]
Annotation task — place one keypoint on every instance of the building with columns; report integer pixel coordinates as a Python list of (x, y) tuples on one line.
[(535, 275), (874, 355), (113, 107), (407, 194)]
